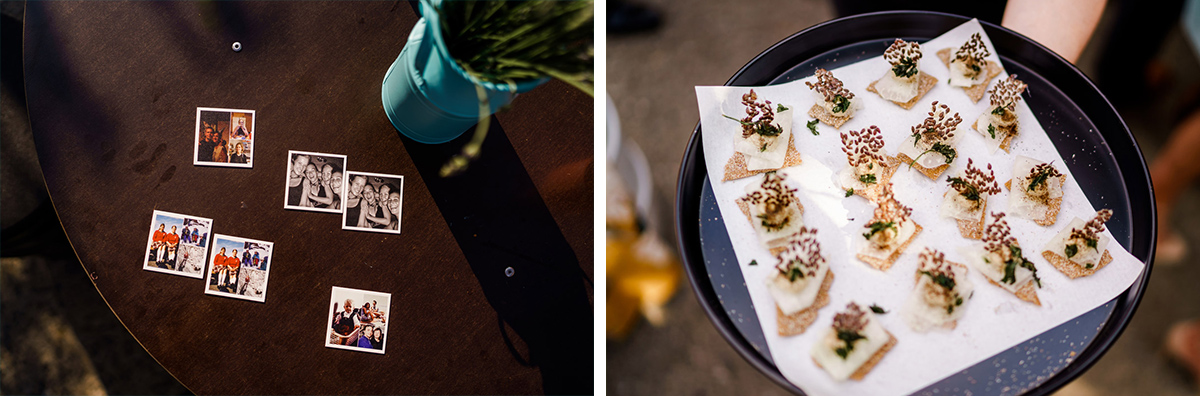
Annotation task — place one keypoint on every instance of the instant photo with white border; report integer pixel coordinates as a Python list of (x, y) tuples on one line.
[(202, 228), (251, 285), (379, 318), (337, 171), (348, 180), (253, 130)]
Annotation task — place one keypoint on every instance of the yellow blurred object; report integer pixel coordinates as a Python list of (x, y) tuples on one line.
[(642, 271)]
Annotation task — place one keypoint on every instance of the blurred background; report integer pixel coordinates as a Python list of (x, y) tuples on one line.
[(658, 50)]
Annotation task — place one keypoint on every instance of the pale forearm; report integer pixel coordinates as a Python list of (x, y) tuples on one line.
[(1064, 26)]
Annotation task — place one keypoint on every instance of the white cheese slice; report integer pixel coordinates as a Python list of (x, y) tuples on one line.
[(855, 104), (774, 238), (921, 316), (988, 119), (1085, 255), (897, 89), (824, 350), (1020, 204), (791, 297), (956, 206), (976, 256), (848, 178), (958, 73), (773, 157), (866, 248), (931, 159)]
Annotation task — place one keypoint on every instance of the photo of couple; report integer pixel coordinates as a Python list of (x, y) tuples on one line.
[(177, 244), (224, 137), (373, 202), (239, 268), (314, 182), (358, 320)]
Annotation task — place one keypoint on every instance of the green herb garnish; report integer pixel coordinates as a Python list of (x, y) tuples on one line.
[(940, 279), (812, 126), (841, 104), (761, 128), (878, 309), (998, 111), (1071, 250), (794, 273), (780, 108), (849, 337), (505, 42), (753, 262), (1040, 177), (1010, 267), (950, 308), (967, 190), (849, 192), (878, 226), (1089, 266), (906, 68), (944, 149), (867, 178), (992, 130), (774, 227)]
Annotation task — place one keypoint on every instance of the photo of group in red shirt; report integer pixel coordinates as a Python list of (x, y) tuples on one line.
[(238, 268), (177, 244)]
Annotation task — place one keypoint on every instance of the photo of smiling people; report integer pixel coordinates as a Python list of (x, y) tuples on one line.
[(238, 268), (177, 244), (224, 137), (314, 182), (358, 320), (373, 202)]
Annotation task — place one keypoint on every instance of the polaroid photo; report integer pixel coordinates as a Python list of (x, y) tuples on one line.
[(177, 244), (358, 320), (224, 137), (314, 182), (373, 202), (238, 268)]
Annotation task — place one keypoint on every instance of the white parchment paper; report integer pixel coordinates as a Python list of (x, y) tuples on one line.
[(995, 319)]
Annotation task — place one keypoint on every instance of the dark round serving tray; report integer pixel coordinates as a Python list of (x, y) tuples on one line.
[(1087, 131)]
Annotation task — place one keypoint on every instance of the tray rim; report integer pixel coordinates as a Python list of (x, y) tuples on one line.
[(687, 200)]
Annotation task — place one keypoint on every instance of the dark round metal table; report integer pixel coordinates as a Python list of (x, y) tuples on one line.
[(1107, 163), (112, 90)]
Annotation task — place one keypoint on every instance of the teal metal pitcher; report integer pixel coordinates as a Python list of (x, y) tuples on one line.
[(427, 96)]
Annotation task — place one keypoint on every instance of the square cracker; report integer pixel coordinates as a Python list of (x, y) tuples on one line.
[(1055, 205), (925, 83), (931, 173), (883, 265), (818, 112), (917, 279), (890, 165), (736, 167), (1026, 293), (745, 207), (975, 92), (1004, 144), (866, 367), (971, 229), (1069, 268), (797, 323)]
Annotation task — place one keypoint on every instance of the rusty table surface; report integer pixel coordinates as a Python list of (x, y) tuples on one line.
[(112, 89)]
